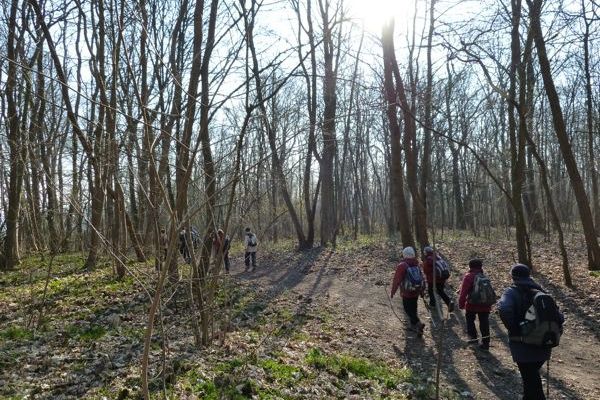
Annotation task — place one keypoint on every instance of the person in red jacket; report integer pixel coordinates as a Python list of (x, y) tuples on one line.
[(428, 268), (475, 310), (410, 288)]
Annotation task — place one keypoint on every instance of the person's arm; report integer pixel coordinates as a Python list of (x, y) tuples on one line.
[(507, 307), (398, 278), (428, 269), (465, 289)]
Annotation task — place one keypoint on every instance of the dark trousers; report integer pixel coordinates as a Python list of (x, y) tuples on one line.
[(532, 381), (410, 308), (484, 325), (440, 290), (185, 252), (248, 256), (226, 261)]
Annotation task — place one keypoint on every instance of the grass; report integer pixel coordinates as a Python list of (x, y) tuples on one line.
[(16, 333), (280, 372), (89, 333), (343, 364)]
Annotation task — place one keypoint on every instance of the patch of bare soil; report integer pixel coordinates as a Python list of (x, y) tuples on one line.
[(352, 285)]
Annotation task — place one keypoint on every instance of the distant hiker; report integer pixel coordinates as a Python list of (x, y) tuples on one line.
[(222, 240), (530, 341), (163, 242), (251, 243), (183, 246), (436, 264), (409, 279), (476, 298)]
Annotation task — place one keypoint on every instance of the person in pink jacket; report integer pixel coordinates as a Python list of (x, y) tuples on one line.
[(473, 311)]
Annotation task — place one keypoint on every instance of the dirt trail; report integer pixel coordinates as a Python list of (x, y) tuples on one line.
[(354, 284)]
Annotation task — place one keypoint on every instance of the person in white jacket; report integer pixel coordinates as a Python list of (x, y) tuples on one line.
[(251, 243)]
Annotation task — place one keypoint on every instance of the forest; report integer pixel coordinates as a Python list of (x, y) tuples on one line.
[(140, 142)]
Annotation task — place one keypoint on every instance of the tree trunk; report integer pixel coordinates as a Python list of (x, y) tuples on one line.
[(585, 213), (328, 214), (10, 256), (400, 208)]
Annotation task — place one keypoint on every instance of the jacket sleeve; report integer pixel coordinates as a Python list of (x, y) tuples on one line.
[(507, 308), (428, 269), (398, 278), (465, 289)]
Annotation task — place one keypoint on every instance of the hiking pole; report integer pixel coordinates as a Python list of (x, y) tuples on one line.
[(428, 308), (391, 304), (548, 377)]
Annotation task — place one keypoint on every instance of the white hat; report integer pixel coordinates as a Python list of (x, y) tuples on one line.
[(408, 252)]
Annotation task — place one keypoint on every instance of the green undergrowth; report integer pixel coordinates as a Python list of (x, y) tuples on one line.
[(279, 377), (595, 274), (347, 244), (15, 333), (86, 333), (342, 365)]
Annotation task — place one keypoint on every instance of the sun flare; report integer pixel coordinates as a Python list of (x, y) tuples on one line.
[(372, 14)]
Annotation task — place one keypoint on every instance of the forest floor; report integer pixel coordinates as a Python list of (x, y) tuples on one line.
[(311, 325)]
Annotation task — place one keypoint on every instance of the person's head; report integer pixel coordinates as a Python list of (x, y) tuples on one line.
[(220, 233), (248, 230), (476, 263), (408, 252), (520, 273), (162, 230), (427, 250)]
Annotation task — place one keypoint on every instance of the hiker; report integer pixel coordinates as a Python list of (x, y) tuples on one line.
[(512, 308), (435, 264), (183, 247), (470, 300), (251, 243), (222, 240), (163, 242), (409, 279)]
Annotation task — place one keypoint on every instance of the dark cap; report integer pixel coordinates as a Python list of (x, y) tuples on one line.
[(520, 272), (476, 263)]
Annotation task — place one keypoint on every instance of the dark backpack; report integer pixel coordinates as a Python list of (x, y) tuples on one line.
[(541, 322), (413, 279), (252, 240), (442, 271), (482, 292)]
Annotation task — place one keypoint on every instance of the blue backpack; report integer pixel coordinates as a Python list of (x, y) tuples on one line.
[(413, 279)]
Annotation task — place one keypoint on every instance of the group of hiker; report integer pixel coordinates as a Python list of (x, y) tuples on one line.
[(530, 315), (220, 242)]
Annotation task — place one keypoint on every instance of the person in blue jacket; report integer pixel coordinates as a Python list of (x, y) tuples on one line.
[(529, 358)]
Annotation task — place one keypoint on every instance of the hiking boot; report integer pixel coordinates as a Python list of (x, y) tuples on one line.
[(451, 307), (484, 346)]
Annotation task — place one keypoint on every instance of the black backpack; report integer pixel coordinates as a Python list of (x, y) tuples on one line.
[(442, 271), (541, 321), (252, 240), (482, 292)]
